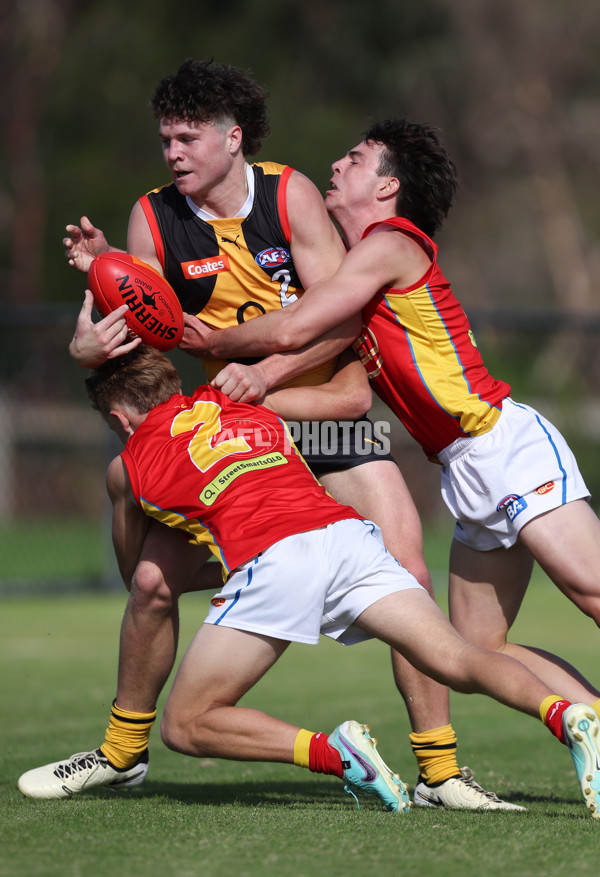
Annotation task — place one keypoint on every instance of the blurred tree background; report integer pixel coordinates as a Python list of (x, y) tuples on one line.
[(515, 88)]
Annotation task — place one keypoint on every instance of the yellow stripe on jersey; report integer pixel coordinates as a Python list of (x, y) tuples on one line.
[(438, 362), (193, 530)]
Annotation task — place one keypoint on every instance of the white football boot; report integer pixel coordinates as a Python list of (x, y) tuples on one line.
[(460, 793), (80, 773)]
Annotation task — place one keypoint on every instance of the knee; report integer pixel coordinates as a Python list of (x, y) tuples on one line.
[(175, 732), (183, 733), (149, 589)]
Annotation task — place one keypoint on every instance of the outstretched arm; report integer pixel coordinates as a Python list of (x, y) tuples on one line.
[(383, 259), (326, 305), (317, 251), (249, 383)]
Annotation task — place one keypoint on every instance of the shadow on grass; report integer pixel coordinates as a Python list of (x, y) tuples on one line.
[(283, 794), (248, 794)]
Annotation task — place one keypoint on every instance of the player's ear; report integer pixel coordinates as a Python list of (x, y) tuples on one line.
[(389, 188), (234, 138), (119, 422)]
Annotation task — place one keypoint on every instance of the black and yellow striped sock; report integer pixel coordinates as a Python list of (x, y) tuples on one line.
[(127, 736), (435, 751)]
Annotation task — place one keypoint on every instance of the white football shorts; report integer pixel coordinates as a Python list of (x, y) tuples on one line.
[(497, 482), (311, 583)]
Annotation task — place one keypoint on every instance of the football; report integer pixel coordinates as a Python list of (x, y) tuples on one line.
[(154, 314)]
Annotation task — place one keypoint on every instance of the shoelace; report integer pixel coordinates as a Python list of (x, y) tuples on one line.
[(467, 777), (349, 791), (77, 762)]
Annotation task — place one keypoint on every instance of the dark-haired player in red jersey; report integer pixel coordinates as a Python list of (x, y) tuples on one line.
[(507, 474), (235, 240), (295, 564)]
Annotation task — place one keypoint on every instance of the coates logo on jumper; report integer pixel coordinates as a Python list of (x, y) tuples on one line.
[(205, 267), (513, 505), (272, 256), (545, 488)]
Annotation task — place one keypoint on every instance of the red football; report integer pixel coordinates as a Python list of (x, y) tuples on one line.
[(154, 314)]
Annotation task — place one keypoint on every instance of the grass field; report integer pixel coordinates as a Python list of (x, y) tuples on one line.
[(226, 819)]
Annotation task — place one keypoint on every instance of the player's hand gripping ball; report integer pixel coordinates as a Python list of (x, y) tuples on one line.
[(154, 314)]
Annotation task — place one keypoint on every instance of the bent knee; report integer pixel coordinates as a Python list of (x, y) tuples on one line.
[(186, 732), (150, 588), (177, 733), (172, 734)]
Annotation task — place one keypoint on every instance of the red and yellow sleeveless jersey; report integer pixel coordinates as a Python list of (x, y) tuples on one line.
[(227, 474), (226, 271), (421, 356)]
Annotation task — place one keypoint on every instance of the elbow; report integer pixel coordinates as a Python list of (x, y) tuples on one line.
[(354, 405), (288, 339), (361, 403)]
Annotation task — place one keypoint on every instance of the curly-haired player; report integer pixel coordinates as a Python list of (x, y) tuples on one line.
[(203, 92)]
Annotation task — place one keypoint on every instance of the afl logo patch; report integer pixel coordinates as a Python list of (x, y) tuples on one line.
[(217, 601), (272, 256), (545, 488)]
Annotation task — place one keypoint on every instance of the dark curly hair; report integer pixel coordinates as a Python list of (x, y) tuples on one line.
[(415, 155), (202, 91)]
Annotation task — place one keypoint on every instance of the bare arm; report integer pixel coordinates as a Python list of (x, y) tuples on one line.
[(129, 523), (316, 246), (249, 383), (347, 396), (139, 238), (381, 259)]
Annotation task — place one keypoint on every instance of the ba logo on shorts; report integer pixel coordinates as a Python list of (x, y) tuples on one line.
[(272, 256), (545, 488), (217, 601), (513, 505)]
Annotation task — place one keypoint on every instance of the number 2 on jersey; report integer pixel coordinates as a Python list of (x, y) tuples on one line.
[(204, 421)]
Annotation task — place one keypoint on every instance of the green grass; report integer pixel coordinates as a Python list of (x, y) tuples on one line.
[(209, 817), (54, 553)]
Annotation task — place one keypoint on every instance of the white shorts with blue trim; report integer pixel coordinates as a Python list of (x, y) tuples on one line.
[(311, 583), (497, 482)]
